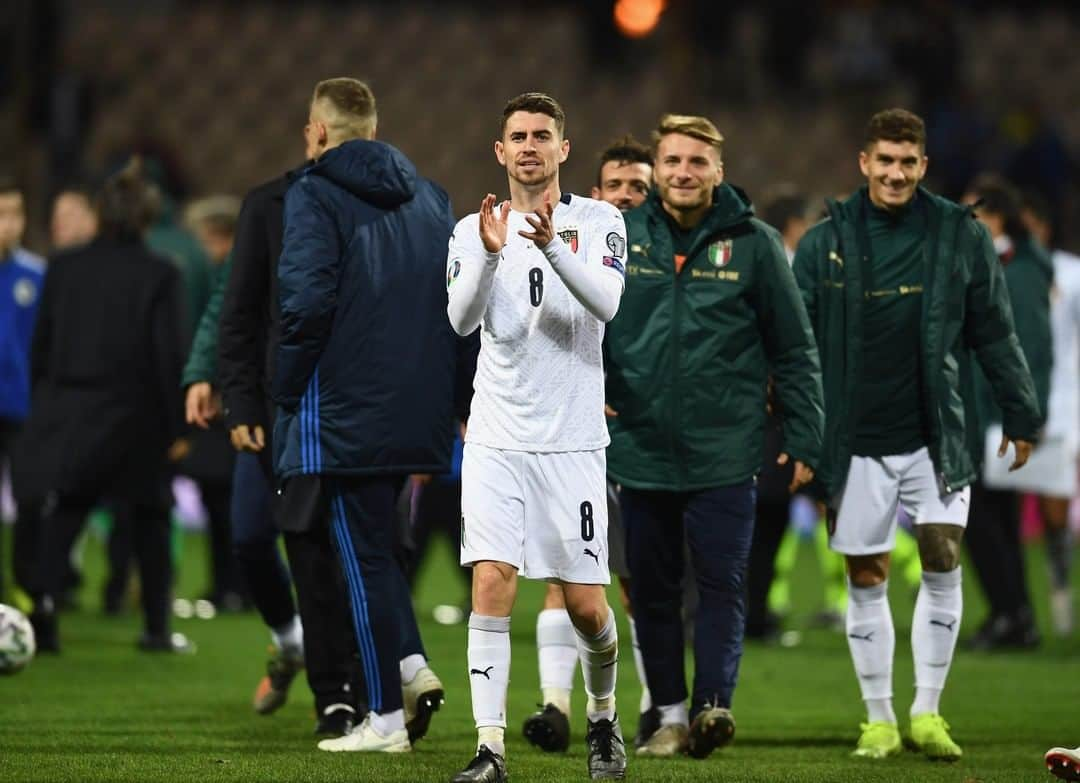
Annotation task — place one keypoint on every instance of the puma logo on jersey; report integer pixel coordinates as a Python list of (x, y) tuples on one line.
[(868, 638), (593, 555), (486, 672), (834, 256), (946, 626)]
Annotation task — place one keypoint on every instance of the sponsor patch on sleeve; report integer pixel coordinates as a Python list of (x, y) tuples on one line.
[(616, 244), (615, 264)]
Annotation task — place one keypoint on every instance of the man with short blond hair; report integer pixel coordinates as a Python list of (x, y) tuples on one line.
[(902, 287), (364, 379), (710, 306)]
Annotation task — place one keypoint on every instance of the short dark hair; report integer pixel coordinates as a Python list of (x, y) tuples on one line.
[(8, 184), (127, 204), (534, 103), (997, 196), (623, 150), (896, 125), (1038, 205), (783, 203)]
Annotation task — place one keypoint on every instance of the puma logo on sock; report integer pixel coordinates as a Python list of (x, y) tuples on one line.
[(486, 672), (867, 638), (946, 626), (593, 555)]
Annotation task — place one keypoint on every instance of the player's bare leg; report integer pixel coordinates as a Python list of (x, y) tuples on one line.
[(1055, 514), (598, 648)]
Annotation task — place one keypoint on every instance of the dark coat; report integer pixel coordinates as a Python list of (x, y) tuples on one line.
[(365, 369), (249, 325), (106, 358)]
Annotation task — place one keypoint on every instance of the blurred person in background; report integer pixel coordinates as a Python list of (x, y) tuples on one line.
[(363, 381), (22, 275), (994, 541), (710, 308), (107, 353), (785, 208), (1054, 461), (903, 289), (311, 631), (73, 221), (211, 458), (623, 178)]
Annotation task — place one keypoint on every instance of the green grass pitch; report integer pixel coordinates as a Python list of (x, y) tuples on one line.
[(103, 712)]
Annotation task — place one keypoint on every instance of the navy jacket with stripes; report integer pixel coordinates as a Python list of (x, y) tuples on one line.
[(365, 370)]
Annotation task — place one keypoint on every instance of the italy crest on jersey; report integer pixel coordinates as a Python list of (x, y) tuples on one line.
[(569, 236), (720, 252)]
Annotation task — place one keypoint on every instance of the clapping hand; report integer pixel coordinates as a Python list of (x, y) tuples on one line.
[(492, 226), (543, 227)]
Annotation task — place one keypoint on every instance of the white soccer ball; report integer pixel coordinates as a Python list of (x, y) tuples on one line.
[(17, 645)]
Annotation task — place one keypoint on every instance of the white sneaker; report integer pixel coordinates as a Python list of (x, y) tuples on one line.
[(1064, 763), (421, 696), (1061, 610), (365, 738)]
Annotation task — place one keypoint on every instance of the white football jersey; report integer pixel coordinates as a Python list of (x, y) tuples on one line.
[(1063, 408), (539, 383)]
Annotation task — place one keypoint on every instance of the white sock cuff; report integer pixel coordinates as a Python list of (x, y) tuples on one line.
[(555, 627), (602, 640), (942, 579), (868, 595), (410, 666), (483, 622)]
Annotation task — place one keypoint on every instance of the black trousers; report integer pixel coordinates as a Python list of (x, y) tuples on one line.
[(27, 532), (718, 524), (771, 516), (435, 510), (330, 654), (993, 541), (147, 519), (363, 523)]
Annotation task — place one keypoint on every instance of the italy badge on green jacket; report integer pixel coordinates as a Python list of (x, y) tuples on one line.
[(720, 252)]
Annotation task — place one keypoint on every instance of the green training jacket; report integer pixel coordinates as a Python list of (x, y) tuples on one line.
[(689, 353), (965, 315)]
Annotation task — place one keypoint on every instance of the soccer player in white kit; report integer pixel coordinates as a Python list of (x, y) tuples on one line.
[(540, 274)]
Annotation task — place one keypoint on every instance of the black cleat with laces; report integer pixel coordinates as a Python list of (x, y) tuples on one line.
[(607, 752), (548, 729), (486, 767)]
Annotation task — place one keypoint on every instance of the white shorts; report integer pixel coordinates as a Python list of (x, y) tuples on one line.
[(1051, 469), (877, 487), (544, 514)]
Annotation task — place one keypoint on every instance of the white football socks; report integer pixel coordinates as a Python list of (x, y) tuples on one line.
[(872, 641), (639, 663), (387, 723), (410, 666), (599, 664), (934, 630), (289, 637), (556, 647), (489, 675)]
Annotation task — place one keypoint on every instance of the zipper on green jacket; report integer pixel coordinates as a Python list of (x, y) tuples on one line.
[(676, 406)]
